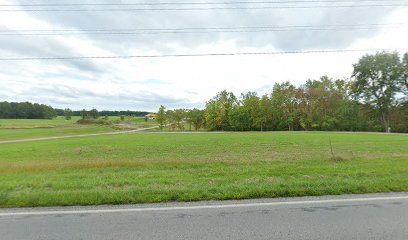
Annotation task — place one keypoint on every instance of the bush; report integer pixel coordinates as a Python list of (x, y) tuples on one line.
[(94, 121)]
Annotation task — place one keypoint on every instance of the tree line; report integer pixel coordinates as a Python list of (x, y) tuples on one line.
[(91, 113), (26, 110), (374, 99), (178, 118)]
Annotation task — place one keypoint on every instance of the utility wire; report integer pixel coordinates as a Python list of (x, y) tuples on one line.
[(209, 28), (201, 8), (200, 30), (190, 3), (141, 32), (196, 54)]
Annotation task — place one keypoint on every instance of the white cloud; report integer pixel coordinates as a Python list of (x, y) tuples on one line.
[(145, 83)]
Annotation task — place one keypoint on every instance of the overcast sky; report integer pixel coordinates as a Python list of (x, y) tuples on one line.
[(146, 83)]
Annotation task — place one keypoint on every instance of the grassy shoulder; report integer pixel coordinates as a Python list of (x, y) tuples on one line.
[(141, 168)]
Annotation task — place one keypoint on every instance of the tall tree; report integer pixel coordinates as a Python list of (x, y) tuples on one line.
[(376, 81), (84, 114), (405, 74), (196, 118), (237, 118), (217, 110), (265, 111), (67, 113), (161, 116), (178, 117), (94, 113), (284, 106), (171, 119), (250, 105)]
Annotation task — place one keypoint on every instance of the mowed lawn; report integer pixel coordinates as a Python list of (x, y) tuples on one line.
[(150, 167)]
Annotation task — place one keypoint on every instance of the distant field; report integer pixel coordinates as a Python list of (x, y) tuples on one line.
[(14, 129), (36, 123), (16, 134), (138, 168)]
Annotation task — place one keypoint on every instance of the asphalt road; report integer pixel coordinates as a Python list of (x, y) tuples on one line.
[(374, 216)]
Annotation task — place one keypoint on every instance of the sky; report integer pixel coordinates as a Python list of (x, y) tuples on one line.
[(181, 82)]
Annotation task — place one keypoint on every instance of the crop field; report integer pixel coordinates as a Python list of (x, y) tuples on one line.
[(15, 129), (155, 167)]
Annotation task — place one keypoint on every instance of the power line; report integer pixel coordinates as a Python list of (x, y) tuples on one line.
[(189, 3), (206, 31), (198, 54), (208, 28), (202, 8)]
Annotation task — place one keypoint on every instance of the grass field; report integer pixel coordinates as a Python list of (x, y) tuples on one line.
[(138, 168), (15, 129), (36, 123)]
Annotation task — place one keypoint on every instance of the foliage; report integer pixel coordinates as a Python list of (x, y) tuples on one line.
[(195, 117), (67, 114), (26, 110), (94, 121), (94, 113), (373, 100), (217, 111), (404, 80), (377, 81), (323, 104), (161, 117), (176, 118), (60, 112), (84, 114)]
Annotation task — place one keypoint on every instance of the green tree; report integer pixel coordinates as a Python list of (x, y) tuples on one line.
[(405, 74), (179, 116), (250, 105), (171, 119), (217, 110), (376, 81), (5, 110), (84, 114), (94, 113), (48, 112), (265, 112), (161, 116), (68, 113), (26, 110), (196, 118), (237, 118), (284, 106)]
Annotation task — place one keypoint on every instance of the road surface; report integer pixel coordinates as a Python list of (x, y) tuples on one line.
[(373, 216)]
